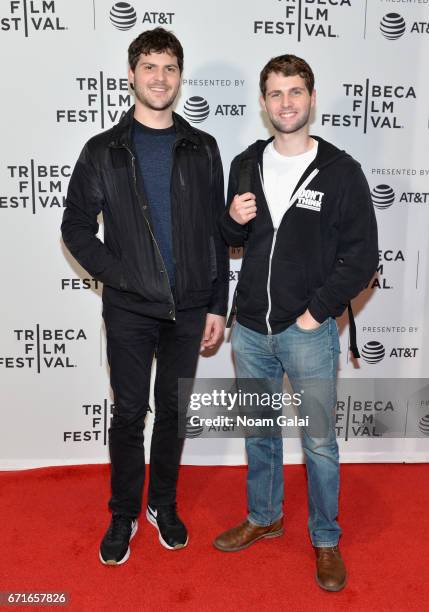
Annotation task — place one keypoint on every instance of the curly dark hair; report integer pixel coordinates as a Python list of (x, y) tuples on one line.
[(155, 41), (287, 65)]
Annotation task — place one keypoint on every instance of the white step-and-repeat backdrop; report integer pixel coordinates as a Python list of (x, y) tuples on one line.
[(64, 67)]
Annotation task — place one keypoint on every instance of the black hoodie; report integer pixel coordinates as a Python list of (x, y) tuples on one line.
[(324, 251)]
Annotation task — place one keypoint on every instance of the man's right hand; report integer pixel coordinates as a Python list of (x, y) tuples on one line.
[(243, 208)]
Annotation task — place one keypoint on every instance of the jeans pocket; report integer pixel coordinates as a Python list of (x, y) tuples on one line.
[(311, 331), (234, 335), (335, 337)]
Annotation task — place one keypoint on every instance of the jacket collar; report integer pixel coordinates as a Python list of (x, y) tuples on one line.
[(122, 131), (327, 153)]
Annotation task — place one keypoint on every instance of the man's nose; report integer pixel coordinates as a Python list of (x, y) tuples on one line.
[(160, 74), (285, 100)]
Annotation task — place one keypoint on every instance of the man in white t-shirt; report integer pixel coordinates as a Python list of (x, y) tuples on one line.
[(301, 208)]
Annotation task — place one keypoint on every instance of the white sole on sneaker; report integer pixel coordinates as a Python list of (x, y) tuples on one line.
[(153, 522), (127, 554)]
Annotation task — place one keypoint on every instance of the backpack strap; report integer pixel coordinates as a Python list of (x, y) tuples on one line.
[(353, 344), (244, 185), (245, 175)]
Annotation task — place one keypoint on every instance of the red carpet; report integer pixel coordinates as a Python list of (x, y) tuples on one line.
[(52, 521)]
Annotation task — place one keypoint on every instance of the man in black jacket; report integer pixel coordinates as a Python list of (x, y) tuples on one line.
[(159, 184), (309, 233)]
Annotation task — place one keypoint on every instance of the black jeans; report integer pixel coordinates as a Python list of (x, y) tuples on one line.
[(132, 341)]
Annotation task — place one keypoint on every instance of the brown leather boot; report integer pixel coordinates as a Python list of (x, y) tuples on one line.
[(331, 571), (245, 534)]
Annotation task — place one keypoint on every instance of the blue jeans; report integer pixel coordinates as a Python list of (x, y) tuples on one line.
[(310, 359)]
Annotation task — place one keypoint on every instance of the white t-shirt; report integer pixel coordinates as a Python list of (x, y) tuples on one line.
[(281, 175)]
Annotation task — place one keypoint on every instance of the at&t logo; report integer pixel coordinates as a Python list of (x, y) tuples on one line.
[(424, 425), (382, 196), (373, 352), (30, 16), (196, 109), (123, 16), (393, 26), (192, 431)]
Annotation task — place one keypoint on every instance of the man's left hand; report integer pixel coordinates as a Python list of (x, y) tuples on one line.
[(307, 321), (213, 332)]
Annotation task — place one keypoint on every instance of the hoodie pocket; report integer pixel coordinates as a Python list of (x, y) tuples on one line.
[(252, 286)]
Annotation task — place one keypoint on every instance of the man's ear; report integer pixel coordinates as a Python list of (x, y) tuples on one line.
[(262, 103), (131, 77)]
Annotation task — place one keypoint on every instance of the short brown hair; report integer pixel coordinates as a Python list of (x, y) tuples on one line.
[(287, 65), (155, 41)]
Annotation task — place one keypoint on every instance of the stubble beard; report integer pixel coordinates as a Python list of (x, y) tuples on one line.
[(295, 128), (156, 107)]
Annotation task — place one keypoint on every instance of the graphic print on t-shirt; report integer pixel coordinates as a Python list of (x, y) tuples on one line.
[(281, 175)]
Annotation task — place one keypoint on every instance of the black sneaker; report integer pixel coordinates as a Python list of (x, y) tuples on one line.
[(114, 548), (172, 532)]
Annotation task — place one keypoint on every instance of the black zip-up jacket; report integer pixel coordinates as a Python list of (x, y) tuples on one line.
[(128, 262), (324, 251)]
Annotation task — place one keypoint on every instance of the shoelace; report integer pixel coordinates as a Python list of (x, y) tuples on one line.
[(168, 514), (121, 525), (328, 552)]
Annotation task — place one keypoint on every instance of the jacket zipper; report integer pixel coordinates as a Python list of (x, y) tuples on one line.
[(133, 162), (273, 244)]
